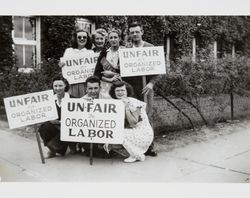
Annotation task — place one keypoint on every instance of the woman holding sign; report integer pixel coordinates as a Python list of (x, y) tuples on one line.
[(81, 44), (107, 67), (50, 131), (138, 133)]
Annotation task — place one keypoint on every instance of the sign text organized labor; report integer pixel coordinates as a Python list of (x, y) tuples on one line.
[(78, 68), (97, 121), (142, 61), (30, 109)]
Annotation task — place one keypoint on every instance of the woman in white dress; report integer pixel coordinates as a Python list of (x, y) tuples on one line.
[(138, 133), (81, 44)]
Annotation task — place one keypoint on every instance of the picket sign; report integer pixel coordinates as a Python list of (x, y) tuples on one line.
[(78, 68), (29, 109), (97, 121), (142, 61)]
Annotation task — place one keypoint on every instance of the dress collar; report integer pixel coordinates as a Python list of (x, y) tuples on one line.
[(66, 96)]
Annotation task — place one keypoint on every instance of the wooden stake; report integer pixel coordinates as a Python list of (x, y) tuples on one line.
[(144, 83), (39, 144), (91, 154)]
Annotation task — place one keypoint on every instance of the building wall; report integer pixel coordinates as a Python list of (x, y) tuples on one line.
[(166, 117)]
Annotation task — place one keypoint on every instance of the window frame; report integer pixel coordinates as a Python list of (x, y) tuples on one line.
[(22, 41), (81, 20)]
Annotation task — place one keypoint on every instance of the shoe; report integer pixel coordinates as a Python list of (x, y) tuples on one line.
[(130, 159), (50, 154), (142, 158), (151, 153)]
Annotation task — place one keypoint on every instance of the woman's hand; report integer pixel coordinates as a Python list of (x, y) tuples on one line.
[(88, 99), (115, 78), (107, 147), (108, 74), (61, 64), (126, 102)]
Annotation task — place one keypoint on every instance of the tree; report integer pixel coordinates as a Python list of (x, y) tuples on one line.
[(6, 53)]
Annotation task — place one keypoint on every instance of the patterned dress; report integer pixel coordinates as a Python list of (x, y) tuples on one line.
[(138, 139)]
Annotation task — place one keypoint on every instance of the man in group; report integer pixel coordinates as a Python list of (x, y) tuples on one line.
[(93, 87), (142, 93)]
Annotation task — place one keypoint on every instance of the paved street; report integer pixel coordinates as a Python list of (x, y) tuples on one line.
[(224, 159)]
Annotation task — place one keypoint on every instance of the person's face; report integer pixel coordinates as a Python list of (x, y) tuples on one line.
[(99, 40), (59, 87), (114, 39), (93, 90), (136, 33), (121, 92), (81, 39)]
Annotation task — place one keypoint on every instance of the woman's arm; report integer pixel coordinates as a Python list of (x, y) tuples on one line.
[(110, 80), (132, 116)]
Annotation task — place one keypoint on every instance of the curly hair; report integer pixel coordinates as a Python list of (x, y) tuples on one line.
[(60, 77), (100, 31), (74, 40), (115, 30), (129, 88)]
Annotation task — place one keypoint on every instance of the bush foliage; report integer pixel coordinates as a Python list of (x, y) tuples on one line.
[(6, 52)]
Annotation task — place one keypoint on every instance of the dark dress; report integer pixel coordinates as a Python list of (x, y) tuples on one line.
[(50, 134)]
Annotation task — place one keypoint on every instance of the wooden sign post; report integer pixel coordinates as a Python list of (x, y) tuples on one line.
[(39, 144), (29, 109)]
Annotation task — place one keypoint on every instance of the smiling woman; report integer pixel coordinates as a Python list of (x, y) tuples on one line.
[(81, 44), (50, 131), (107, 67), (138, 133)]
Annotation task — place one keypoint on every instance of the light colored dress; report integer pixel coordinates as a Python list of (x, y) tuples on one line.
[(138, 139), (76, 90)]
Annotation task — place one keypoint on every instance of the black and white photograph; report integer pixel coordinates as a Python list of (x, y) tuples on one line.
[(125, 98)]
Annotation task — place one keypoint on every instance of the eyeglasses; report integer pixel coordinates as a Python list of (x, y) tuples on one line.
[(82, 37)]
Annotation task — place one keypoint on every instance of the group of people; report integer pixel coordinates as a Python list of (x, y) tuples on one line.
[(106, 83)]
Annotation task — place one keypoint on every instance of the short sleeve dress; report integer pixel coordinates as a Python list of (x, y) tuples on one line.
[(138, 139)]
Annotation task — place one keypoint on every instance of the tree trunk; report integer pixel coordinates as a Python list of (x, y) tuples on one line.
[(232, 105)]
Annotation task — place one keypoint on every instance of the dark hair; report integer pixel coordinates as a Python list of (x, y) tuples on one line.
[(135, 24), (93, 79), (74, 40), (60, 77), (129, 88)]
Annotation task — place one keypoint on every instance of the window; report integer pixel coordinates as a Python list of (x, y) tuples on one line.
[(85, 24), (26, 37)]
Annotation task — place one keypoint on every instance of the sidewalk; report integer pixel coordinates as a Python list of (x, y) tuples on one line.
[(224, 159)]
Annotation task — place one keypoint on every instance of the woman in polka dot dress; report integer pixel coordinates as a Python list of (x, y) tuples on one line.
[(138, 133)]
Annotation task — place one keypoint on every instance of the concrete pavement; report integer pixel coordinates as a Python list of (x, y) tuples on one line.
[(224, 159)]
